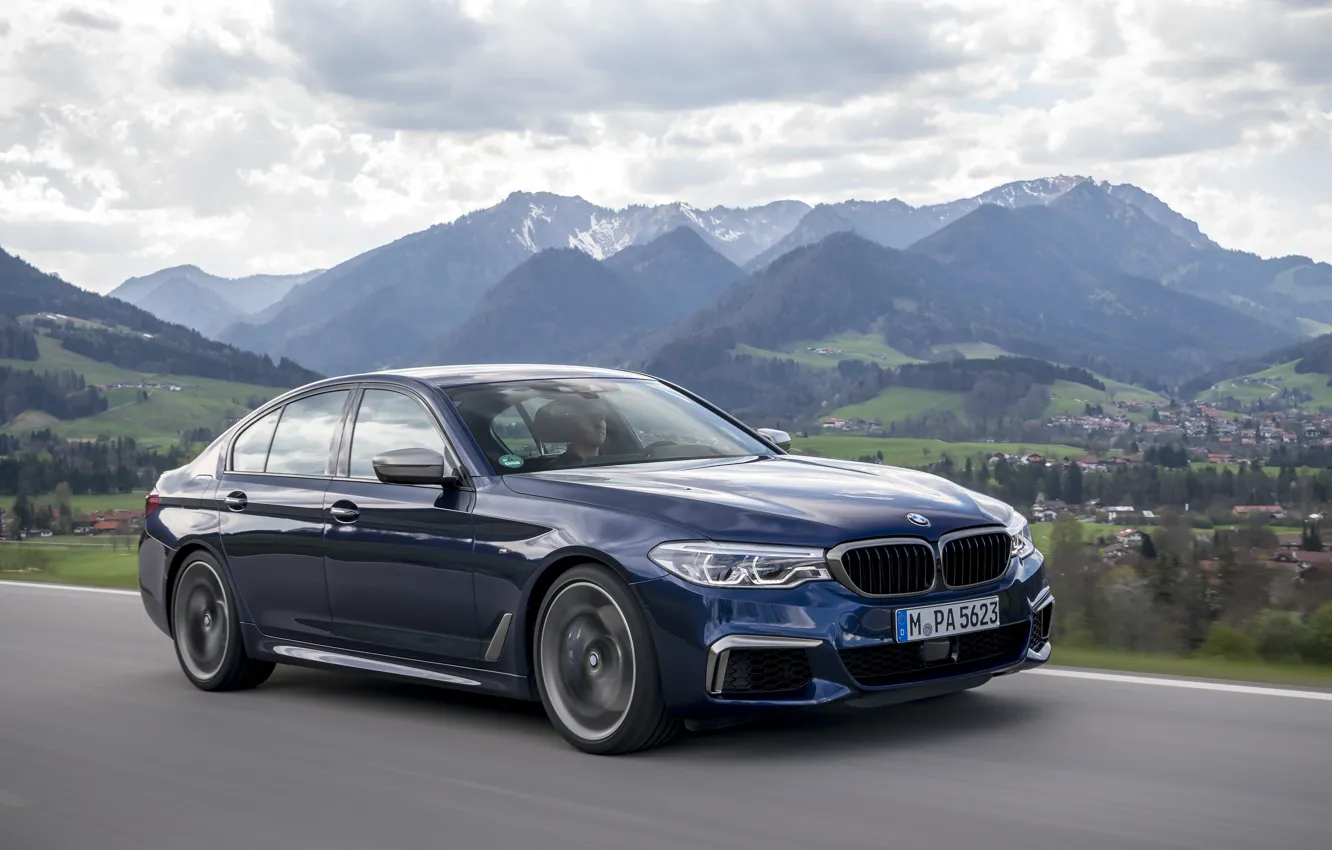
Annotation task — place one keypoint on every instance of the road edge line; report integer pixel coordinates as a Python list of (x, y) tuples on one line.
[(49, 586)]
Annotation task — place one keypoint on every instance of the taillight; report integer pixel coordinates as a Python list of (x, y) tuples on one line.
[(151, 503)]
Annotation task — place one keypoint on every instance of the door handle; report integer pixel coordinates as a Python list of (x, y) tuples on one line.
[(236, 501), (344, 511)]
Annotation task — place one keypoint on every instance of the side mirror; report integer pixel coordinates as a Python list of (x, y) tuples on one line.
[(413, 466), (780, 439)]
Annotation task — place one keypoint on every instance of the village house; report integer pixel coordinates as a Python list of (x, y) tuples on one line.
[(1269, 511)]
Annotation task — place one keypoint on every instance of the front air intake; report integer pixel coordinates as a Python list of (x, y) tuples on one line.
[(752, 672)]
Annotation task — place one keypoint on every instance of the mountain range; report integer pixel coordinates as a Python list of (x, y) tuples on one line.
[(1102, 276), (397, 304), (108, 330), (189, 296)]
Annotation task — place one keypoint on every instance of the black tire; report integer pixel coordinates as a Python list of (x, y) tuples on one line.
[(590, 635), (206, 630)]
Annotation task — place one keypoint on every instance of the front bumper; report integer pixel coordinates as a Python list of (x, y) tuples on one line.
[(739, 651)]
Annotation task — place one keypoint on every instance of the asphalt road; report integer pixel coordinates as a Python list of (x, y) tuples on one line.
[(104, 745)]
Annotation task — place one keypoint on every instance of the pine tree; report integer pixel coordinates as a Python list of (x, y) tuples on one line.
[(1310, 540)]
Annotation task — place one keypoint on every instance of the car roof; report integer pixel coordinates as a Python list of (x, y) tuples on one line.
[(483, 373)]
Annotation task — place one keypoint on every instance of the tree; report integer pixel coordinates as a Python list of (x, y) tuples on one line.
[(1148, 547), (22, 513), (1228, 643), (63, 499), (1242, 585), (1073, 484), (1279, 635), (987, 399), (1310, 541), (1067, 568), (1319, 646)]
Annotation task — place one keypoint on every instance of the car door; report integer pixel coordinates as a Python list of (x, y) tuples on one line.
[(399, 556), (272, 515)]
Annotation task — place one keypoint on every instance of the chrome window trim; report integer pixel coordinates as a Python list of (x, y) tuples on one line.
[(323, 477), (720, 653), (834, 558), (974, 532)]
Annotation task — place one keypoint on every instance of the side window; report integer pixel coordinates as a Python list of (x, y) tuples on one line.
[(386, 421), (250, 451), (304, 434)]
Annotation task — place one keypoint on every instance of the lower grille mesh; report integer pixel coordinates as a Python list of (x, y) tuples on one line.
[(765, 671), (898, 663), (1040, 627)]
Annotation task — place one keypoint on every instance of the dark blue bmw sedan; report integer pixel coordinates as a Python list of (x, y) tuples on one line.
[(602, 541)]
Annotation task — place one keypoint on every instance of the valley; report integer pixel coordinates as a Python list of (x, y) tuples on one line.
[(154, 409)]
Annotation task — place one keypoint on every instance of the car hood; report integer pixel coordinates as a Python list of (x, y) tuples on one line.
[(784, 499)]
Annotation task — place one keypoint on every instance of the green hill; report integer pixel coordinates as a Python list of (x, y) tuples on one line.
[(86, 365), (898, 404), (1274, 386), (869, 348), (159, 419), (1007, 388)]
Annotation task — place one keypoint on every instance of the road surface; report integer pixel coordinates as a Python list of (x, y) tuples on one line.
[(104, 745)]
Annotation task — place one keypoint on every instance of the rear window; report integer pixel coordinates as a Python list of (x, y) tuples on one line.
[(250, 451), (303, 441)]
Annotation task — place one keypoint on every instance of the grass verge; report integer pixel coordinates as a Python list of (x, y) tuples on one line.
[(1263, 672), (94, 564)]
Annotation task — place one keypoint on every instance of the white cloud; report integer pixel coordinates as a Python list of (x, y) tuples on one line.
[(276, 135)]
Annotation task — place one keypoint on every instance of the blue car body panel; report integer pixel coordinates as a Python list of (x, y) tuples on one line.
[(445, 585)]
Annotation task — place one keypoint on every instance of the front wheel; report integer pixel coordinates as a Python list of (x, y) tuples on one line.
[(206, 630), (596, 666)]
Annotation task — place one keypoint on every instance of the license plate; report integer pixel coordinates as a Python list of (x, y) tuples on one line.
[(938, 621)]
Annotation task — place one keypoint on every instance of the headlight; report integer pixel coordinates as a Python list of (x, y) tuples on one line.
[(1023, 545), (741, 564), (1014, 523)]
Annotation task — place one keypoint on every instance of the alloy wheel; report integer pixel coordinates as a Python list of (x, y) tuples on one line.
[(587, 660), (202, 620)]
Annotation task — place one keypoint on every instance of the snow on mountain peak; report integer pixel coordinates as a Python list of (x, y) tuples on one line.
[(534, 212), (1028, 192), (604, 237)]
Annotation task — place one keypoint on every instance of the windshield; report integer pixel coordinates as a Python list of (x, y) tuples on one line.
[(529, 426)]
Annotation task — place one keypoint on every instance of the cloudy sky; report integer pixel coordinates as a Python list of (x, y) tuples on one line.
[(280, 135)]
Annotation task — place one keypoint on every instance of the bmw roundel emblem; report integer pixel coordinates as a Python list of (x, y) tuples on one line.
[(917, 519)]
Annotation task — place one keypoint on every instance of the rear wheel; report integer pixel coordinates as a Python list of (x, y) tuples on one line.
[(596, 666), (206, 630)]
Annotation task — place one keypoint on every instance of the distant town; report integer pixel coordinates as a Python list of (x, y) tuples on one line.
[(1209, 433)]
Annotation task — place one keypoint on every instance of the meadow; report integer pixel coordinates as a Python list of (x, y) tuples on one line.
[(95, 562), (158, 420), (919, 452)]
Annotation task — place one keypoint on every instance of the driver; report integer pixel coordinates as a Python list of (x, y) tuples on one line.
[(586, 430)]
